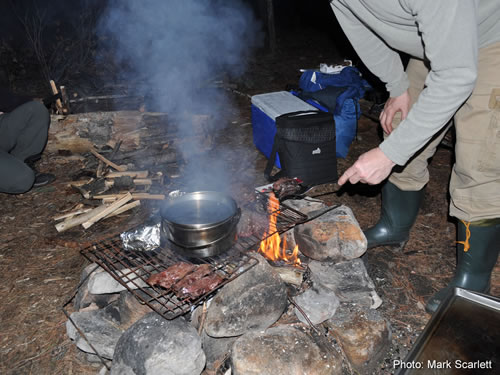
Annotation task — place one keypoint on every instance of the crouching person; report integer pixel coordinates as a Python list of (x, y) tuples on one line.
[(23, 135)]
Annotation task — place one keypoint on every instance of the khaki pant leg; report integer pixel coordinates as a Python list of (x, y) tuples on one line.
[(475, 179), (415, 174)]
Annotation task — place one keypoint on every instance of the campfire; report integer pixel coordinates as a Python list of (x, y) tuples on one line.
[(254, 293), (272, 246)]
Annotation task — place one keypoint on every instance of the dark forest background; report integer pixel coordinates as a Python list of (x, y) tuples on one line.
[(60, 40)]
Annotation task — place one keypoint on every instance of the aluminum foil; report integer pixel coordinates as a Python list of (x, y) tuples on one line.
[(143, 238), (148, 236)]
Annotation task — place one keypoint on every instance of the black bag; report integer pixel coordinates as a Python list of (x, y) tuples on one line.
[(305, 143)]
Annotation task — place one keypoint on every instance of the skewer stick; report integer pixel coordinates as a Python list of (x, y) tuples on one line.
[(119, 168), (109, 209)]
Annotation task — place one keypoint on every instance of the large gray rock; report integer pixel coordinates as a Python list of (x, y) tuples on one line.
[(363, 334), (84, 299), (349, 280), (334, 236), (103, 327), (101, 282), (156, 346), (282, 350), (216, 349), (318, 302), (308, 206), (99, 329), (253, 301)]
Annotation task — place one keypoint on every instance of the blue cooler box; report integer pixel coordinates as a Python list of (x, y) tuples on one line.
[(265, 109)]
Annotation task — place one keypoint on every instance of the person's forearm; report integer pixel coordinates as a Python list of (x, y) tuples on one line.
[(452, 47)]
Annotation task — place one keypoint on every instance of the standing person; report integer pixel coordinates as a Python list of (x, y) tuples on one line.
[(23, 135), (453, 70)]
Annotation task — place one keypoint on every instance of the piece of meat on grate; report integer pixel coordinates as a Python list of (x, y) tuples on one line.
[(199, 282), (201, 286), (171, 275), (286, 186)]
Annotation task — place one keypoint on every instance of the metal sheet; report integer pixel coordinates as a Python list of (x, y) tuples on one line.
[(462, 337)]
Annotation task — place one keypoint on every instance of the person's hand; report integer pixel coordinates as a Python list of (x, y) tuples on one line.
[(394, 105), (371, 168)]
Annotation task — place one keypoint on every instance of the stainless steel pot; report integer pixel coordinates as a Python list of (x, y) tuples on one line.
[(200, 219)]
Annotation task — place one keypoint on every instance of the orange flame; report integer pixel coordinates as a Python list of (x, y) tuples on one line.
[(273, 247)]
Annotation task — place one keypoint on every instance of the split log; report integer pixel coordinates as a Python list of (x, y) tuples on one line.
[(75, 221), (65, 100), (124, 208), (101, 185), (108, 200), (133, 174), (136, 196), (59, 104), (100, 169), (119, 168), (71, 214), (108, 210), (123, 182), (80, 182), (143, 181), (95, 187)]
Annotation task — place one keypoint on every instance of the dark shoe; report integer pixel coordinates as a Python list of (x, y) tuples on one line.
[(399, 212), (42, 179), (478, 246)]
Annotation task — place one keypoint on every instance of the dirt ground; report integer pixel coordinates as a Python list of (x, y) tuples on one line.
[(41, 268)]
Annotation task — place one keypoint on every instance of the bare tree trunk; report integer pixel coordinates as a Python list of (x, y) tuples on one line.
[(271, 30)]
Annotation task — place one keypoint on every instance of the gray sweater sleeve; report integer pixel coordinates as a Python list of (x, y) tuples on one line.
[(449, 33), (382, 61)]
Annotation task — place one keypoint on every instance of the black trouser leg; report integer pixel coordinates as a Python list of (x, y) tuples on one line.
[(15, 176), (23, 133)]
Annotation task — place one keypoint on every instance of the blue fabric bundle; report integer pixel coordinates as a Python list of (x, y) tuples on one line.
[(345, 108)]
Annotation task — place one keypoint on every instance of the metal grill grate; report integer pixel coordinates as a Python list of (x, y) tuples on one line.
[(132, 269)]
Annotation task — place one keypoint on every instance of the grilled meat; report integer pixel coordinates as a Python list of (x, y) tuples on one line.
[(187, 280), (286, 186), (200, 286), (171, 275)]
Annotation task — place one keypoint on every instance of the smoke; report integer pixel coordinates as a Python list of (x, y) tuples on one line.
[(178, 48)]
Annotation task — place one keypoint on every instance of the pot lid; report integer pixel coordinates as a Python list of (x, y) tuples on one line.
[(199, 208)]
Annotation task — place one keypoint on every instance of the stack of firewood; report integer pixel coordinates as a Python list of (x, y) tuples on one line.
[(130, 188)]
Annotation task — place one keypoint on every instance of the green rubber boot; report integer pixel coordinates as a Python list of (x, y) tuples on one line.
[(399, 212), (478, 246)]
